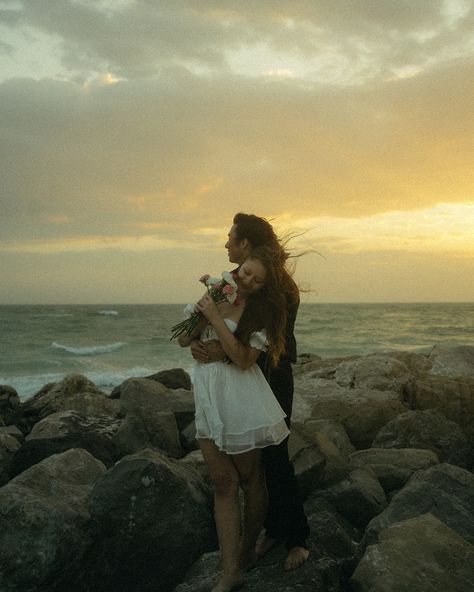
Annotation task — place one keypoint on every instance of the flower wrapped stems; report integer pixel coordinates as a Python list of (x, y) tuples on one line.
[(220, 290)]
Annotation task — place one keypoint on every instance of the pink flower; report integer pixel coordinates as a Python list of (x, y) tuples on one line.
[(228, 289)]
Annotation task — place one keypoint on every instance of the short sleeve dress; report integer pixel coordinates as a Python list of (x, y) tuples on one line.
[(234, 407)]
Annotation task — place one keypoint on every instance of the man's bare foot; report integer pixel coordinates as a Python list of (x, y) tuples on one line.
[(295, 558), (229, 584), (264, 545)]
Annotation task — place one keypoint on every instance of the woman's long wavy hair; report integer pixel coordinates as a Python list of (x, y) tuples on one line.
[(267, 308)]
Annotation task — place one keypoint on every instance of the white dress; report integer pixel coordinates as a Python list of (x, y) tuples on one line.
[(236, 408)]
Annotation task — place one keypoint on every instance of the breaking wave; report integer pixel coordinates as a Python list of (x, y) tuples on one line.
[(95, 350)]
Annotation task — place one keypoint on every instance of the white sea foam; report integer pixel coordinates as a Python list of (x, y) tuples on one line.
[(112, 313), (95, 350), (27, 386)]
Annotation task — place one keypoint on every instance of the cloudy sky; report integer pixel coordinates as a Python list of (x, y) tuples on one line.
[(132, 131)]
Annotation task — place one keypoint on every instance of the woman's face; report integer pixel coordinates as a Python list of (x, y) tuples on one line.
[(251, 276)]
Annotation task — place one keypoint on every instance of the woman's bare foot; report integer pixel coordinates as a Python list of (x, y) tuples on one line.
[(264, 545), (295, 558), (229, 584)]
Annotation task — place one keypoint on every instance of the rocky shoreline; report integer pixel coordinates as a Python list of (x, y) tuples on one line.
[(108, 492)]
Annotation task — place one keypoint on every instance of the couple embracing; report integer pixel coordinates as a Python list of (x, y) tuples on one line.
[(243, 389)]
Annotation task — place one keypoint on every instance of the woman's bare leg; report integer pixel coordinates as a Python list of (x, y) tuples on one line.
[(252, 481), (225, 481)]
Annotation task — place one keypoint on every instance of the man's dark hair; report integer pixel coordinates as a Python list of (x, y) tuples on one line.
[(258, 231)]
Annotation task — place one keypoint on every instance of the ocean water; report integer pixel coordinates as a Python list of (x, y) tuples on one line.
[(41, 344)]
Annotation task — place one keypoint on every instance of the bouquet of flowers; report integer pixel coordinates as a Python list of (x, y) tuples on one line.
[(219, 290)]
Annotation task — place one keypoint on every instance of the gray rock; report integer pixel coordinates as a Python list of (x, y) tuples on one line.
[(454, 398), (176, 378), (141, 395), (428, 430), (358, 497), (444, 490), (152, 519), (421, 554), (333, 430), (149, 429), (74, 393), (374, 372), (394, 467), (9, 403), (453, 362), (333, 549), (64, 430), (362, 412), (8, 446), (44, 519)]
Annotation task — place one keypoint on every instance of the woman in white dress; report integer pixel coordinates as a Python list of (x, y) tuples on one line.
[(237, 414)]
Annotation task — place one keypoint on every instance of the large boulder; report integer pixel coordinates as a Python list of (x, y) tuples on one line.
[(453, 362), (44, 516), (333, 430), (157, 430), (152, 518), (63, 430), (142, 395), (358, 497), (375, 372), (444, 490), (328, 463), (362, 412), (8, 447), (454, 398), (394, 467), (74, 393), (421, 554), (175, 378), (428, 430), (9, 404)]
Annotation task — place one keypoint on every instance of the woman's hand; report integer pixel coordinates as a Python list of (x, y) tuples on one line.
[(208, 308)]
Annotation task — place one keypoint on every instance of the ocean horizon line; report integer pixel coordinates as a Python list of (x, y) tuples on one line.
[(345, 302)]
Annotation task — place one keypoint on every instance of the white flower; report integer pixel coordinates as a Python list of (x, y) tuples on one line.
[(229, 278)]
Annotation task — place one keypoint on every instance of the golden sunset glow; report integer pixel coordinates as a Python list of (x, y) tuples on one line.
[(127, 148)]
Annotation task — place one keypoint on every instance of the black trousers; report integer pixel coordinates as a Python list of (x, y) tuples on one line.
[(286, 519)]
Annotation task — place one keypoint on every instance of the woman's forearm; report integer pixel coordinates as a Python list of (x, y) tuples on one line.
[(242, 355)]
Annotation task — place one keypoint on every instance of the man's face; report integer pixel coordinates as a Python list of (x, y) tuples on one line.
[(237, 250)]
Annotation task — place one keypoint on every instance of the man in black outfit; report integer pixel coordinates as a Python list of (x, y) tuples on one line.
[(285, 521)]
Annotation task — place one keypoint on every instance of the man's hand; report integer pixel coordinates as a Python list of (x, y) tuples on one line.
[(209, 351)]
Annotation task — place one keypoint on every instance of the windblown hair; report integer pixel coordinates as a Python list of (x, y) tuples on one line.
[(267, 308)]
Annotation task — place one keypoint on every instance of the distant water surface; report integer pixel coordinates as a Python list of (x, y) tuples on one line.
[(41, 344)]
